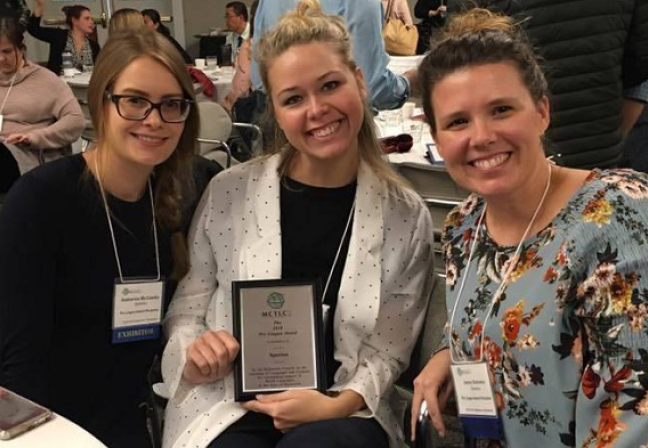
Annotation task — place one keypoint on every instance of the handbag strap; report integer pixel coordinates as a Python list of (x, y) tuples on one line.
[(390, 8)]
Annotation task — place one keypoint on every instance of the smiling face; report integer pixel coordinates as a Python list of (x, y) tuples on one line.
[(318, 102), (10, 57), (489, 129), (149, 142), (84, 23)]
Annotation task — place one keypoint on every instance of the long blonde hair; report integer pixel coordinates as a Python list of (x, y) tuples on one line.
[(173, 176), (308, 24)]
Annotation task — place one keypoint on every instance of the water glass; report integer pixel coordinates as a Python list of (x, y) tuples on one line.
[(394, 122), (211, 61)]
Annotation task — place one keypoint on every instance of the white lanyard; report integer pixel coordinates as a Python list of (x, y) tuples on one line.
[(505, 279), (337, 255), (8, 92), (112, 232)]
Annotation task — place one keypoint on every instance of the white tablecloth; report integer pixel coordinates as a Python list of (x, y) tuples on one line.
[(222, 79), (59, 432), (419, 131)]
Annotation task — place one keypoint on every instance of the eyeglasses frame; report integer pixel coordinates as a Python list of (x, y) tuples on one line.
[(114, 98)]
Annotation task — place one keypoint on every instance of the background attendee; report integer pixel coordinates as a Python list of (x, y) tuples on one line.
[(75, 40), (125, 19), (236, 21), (241, 83), (327, 190), (547, 266), (400, 11), (16, 9), (635, 145), (40, 116), (387, 90), (432, 15), (152, 19), (83, 221), (592, 51)]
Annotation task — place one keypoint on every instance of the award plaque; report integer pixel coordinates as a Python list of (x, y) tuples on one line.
[(278, 324)]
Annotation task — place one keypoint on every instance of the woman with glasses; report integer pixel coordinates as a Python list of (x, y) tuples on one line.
[(90, 242), (75, 40)]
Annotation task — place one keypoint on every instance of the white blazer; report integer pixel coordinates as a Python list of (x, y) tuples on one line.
[(236, 235)]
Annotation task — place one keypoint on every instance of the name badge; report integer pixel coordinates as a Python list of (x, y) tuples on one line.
[(137, 310), (476, 402)]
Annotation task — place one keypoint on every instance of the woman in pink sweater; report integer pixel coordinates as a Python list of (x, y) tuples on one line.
[(40, 116)]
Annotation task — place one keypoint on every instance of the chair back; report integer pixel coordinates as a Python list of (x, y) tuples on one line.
[(215, 130)]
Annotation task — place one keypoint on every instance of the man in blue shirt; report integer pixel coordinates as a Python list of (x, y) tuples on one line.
[(364, 20)]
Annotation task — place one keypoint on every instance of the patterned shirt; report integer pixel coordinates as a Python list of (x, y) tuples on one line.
[(79, 59), (567, 342)]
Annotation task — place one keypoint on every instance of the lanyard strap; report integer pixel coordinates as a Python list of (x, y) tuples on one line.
[(8, 92), (337, 255), (503, 284), (112, 232)]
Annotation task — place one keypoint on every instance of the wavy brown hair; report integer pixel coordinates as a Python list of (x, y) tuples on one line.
[(308, 24), (477, 37), (172, 177)]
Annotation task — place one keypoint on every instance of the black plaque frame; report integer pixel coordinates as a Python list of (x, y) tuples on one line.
[(317, 333)]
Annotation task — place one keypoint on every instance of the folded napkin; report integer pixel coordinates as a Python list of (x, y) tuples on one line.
[(398, 143), (201, 78)]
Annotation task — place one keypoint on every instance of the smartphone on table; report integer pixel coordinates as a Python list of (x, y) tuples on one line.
[(18, 414)]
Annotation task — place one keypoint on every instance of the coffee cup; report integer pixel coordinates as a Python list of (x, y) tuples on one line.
[(200, 63)]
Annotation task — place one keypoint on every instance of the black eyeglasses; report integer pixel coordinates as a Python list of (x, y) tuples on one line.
[(137, 108)]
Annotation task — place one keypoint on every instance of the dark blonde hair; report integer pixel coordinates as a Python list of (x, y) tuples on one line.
[(172, 177), (477, 37), (125, 19), (308, 24)]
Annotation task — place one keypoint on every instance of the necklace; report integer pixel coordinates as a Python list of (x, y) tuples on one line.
[(505, 278)]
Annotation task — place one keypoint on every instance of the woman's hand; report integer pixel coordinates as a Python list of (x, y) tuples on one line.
[(294, 407), (18, 139), (434, 386), (38, 8), (210, 357), (439, 11)]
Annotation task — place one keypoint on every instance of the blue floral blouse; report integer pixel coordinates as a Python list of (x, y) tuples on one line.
[(567, 341)]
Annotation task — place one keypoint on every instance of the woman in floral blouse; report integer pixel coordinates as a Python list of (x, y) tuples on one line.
[(547, 267)]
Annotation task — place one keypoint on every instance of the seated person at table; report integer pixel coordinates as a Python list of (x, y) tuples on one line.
[(125, 19), (153, 20), (547, 266), (325, 205), (40, 116), (73, 231), (75, 40)]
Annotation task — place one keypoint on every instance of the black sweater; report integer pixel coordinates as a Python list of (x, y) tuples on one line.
[(57, 271)]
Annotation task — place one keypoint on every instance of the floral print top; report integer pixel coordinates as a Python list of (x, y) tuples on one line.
[(567, 342)]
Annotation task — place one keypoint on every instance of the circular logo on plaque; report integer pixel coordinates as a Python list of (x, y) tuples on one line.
[(275, 300)]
